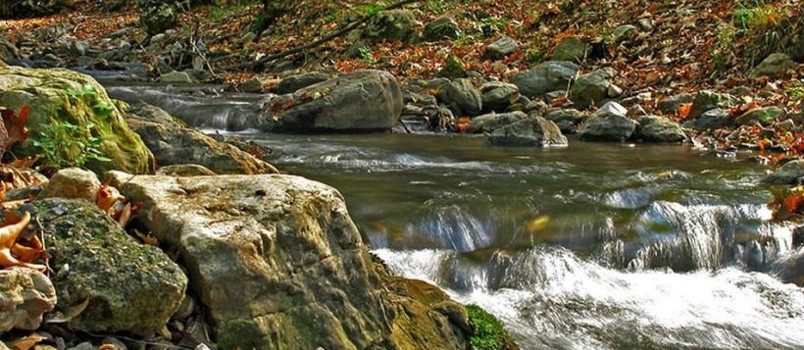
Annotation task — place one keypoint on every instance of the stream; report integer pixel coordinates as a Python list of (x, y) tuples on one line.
[(595, 246)]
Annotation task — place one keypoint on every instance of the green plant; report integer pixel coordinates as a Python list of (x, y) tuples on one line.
[(65, 144), (89, 96), (535, 56), (489, 333), (366, 54)]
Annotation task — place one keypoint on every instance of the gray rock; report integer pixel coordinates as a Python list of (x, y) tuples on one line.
[(497, 97), (79, 48), (774, 65), (393, 25), (657, 129), (177, 78), (488, 123), (8, 51), (608, 124), (453, 69), (502, 48), (532, 132), (791, 173), (131, 287), (545, 77), (157, 16), (185, 170), (571, 49), (25, 295), (645, 24), (625, 32), (278, 263), (790, 268), (253, 85), (299, 81), (711, 119), (707, 100), (443, 27), (765, 116), (590, 89), (671, 104), (535, 106), (462, 98), (72, 183), (566, 119)]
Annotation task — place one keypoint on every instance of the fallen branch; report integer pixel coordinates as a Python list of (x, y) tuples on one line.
[(326, 38)]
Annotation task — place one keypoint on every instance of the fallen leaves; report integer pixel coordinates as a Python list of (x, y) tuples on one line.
[(115, 205), (17, 252)]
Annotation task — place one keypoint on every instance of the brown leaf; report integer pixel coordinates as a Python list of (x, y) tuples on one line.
[(15, 125), (28, 342)]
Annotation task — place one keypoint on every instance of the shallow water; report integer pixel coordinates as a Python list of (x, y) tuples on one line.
[(596, 246)]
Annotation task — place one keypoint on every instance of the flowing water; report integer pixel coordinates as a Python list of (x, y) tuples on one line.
[(597, 246)]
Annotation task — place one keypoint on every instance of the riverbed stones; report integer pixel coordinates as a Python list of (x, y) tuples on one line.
[(488, 123), (609, 123), (131, 287), (74, 183), (157, 16), (658, 129), (531, 132), (711, 119), (368, 100), (45, 92), (566, 119), (707, 100), (175, 77), (444, 27), (773, 66), (278, 263), (791, 173), (453, 69), (502, 48), (462, 98), (571, 49), (764, 115), (293, 83), (25, 295), (590, 89), (393, 25), (545, 77), (670, 105), (497, 97)]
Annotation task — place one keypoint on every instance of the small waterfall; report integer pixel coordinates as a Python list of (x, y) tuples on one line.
[(456, 229)]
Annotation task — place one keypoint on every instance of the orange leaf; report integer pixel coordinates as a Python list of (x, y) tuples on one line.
[(684, 110), (15, 124)]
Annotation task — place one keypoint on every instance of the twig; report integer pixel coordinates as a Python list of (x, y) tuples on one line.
[(332, 35)]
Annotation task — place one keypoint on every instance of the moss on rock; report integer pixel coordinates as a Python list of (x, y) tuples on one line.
[(489, 332)]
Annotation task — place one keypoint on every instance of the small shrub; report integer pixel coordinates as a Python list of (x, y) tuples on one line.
[(65, 145)]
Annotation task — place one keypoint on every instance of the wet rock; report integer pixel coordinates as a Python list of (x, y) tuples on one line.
[(72, 183), (791, 173), (566, 119), (157, 16), (462, 98), (571, 49), (708, 100), (293, 83), (765, 116), (366, 100), (174, 144), (624, 33), (502, 48), (711, 119), (443, 27), (25, 295), (590, 89), (453, 69), (278, 263), (393, 25), (487, 123), (43, 90), (8, 52), (657, 129), (185, 170), (790, 268), (671, 104), (546, 77), (531, 132), (609, 123), (775, 65), (131, 287), (177, 78), (497, 97)]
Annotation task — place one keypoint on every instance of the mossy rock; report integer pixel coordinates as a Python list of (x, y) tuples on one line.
[(45, 91), (130, 287), (489, 332)]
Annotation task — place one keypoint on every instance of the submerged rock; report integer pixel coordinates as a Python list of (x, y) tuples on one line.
[(131, 287), (544, 78), (278, 264), (366, 100), (25, 295), (532, 132), (45, 91)]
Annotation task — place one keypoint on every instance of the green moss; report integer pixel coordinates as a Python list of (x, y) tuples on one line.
[(489, 333)]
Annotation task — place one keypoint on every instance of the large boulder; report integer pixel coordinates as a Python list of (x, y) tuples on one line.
[(25, 295), (295, 82), (591, 89), (487, 123), (61, 97), (278, 264), (366, 100), (609, 123), (128, 286), (174, 144), (462, 98), (658, 129), (531, 132), (790, 268), (546, 77), (393, 25)]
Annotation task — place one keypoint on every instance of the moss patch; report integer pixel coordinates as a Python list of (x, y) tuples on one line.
[(489, 333)]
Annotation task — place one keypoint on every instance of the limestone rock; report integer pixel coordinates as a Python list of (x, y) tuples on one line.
[(609, 123), (707, 100), (25, 295), (72, 183), (531, 132), (44, 91), (131, 287), (185, 170), (765, 116), (546, 77), (175, 77), (278, 264), (453, 69), (671, 104), (711, 119), (363, 100)]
